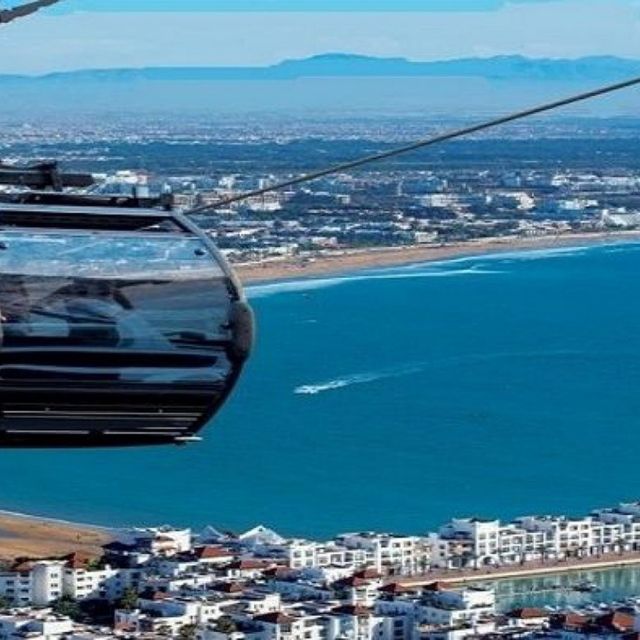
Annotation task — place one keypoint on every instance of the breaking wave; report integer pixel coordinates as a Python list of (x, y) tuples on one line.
[(471, 265), (312, 284)]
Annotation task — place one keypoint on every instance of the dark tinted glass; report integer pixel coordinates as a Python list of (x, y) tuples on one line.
[(151, 293)]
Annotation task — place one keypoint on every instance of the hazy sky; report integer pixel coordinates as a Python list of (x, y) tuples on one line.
[(125, 33)]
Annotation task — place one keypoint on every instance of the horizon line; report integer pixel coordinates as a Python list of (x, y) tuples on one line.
[(329, 54)]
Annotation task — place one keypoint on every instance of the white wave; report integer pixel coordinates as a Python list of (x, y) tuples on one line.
[(434, 273), (357, 378), (312, 284), (539, 254), (477, 260), (444, 268), (290, 286)]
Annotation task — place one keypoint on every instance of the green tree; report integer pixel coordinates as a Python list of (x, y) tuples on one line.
[(95, 564), (129, 600), (226, 625), (188, 632), (67, 606), (4, 603)]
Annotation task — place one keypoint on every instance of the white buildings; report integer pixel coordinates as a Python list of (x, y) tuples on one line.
[(302, 554), (472, 542), (32, 583), (159, 541), (441, 605), (41, 583), (389, 553), (36, 625), (445, 606), (620, 218)]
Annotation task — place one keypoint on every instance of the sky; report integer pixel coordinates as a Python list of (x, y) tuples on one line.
[(79, 34)]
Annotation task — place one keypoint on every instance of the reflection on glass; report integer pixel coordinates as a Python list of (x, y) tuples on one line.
[(142, 293)]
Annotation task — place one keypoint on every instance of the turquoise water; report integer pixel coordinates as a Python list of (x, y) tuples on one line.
[(393, 400)]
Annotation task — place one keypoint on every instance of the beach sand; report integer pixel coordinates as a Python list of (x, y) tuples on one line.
[(354, 260), (32, 537)]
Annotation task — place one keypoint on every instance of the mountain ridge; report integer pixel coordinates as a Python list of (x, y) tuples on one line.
[(342, 65)]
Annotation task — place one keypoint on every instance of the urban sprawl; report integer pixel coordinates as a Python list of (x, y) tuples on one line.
[(535, 180)]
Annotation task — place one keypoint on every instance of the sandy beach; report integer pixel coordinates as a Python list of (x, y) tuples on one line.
[(349, 261), (33, 537)]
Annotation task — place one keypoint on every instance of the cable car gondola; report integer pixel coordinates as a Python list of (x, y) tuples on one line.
[(121, 322)]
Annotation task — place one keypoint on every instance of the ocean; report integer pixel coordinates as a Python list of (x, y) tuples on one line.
[(394, 400)]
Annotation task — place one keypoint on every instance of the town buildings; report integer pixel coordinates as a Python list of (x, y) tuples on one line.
[(260, 585)]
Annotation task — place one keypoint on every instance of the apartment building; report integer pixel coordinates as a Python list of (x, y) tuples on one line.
[(389, 553)]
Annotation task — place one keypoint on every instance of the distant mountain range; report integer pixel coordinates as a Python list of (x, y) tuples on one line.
[(340, 65), (332, 83)]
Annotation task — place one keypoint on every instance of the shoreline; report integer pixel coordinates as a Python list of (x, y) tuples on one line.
[(17, 515), (353, 261), (26, 536)]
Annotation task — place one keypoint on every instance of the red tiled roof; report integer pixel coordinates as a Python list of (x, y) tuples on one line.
[(208, 552), (228, 587), (574, 620), (279, 572), (528, 613), (368, 574), (395, 587), (275, 617), (351, 581), (22, 566), (78, 560), (617, 621)]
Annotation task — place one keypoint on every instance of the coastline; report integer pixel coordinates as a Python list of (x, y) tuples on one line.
[(350, 261), (26, 536)]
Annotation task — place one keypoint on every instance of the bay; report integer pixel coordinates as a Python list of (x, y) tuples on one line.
[(393, 400)]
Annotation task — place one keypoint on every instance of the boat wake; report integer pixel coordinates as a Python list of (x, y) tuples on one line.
[(355, 379)]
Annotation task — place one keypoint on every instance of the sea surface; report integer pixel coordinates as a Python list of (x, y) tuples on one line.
[(612, 585), (393, 400)]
